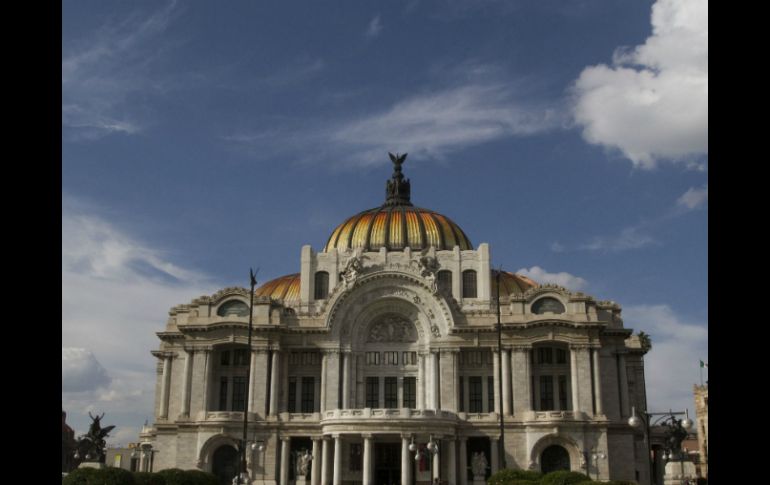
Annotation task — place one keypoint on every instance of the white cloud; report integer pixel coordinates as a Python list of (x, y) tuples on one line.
[(694, 198), (116, 293), (374, 28), (652, 103), (629, 238), (80, 371), (100, 72), (672, 366), (569, 281)]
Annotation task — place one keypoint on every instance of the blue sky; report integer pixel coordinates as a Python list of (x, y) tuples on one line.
[(199, 140)]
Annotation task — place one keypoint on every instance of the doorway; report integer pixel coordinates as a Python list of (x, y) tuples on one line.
[(387, 464), (225, 465), (554, 458)]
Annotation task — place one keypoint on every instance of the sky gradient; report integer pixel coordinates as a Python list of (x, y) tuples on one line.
[(200, 140)]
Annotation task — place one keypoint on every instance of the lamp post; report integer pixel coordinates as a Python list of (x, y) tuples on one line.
[(594, 456), (413, 449), (242, 451), (431, 449), (676, 433)]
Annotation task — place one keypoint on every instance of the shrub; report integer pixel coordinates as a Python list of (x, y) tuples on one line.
[(197, 477), (564, 478), (174, 476), (620, 482), (514, 477), (147, 478), (96, 476)]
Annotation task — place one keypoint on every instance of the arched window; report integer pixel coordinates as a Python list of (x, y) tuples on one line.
[(547, 305), (445, 281), (233, 307), (321, 285), (469, 283)]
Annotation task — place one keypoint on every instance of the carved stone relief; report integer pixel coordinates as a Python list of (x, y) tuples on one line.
[(392, 328)]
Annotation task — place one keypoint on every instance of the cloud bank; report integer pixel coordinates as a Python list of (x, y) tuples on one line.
[(569, 281)]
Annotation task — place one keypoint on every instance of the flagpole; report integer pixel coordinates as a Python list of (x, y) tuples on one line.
[(701, 373)]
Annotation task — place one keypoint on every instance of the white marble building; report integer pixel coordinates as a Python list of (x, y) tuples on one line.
[(388, 337)]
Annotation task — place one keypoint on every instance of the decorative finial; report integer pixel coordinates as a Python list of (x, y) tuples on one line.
[(397, 189)]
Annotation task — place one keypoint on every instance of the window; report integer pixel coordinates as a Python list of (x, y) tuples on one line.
[(224, 357), (546, 393), (372, 392), (292, 404), (239, 393), (391, 392), (223, 394), (241, 357), (474, 394), (321, 285), (545, 355), (233, 307), (547, 305), (355, 457), (469, 283), (462, 394), (445, 281), (490, 394), (563, 393), (561, 356), (372, 358), (410, 392), (391, 358), (308, 394), (409, 358)]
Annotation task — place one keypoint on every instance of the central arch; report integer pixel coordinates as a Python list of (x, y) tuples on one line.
[(225, 464), (554, 458)]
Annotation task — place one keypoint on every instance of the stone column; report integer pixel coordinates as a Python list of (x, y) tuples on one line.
[(522, 395), (273, 410), (573, 370), (367, 468), (165, 388), (208, 380), (463, 460), (437, 461), (584, 377), (324, 365), (326, 450), (597, 384), (187, 381), (260, 378), (332, 380), (436, 373), (315, 465), (623, 371), (252, 381), (494, 450), (345, 381), (337, 459), (448, 379), (283, 386), (451, 462), (285, 442), (506, 382), (406, 462), (421, 384), (496, 378)]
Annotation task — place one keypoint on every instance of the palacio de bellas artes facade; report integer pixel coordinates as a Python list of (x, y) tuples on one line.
[(387, 337)]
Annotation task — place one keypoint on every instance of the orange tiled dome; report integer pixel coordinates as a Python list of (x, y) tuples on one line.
[(283, 288)]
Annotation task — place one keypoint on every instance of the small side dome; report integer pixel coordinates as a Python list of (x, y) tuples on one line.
[(510, 284), (282, 288)]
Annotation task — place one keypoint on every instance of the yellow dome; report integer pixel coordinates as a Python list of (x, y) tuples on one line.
[(397, 224), (283, 288), (511, 284)]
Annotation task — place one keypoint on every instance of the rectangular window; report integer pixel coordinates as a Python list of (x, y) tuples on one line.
[(372, 392), (490, 394), (561, 356), (445, 282), (308, 394), (546, 393), (391, 392), (355, 457), (372, 358), (409, 358), (462, 394), (292, 404), (391, 358), (469, 284), (239, 393), (545, 355), (410, 392), (223, 394), (563, 393), (474, 395), (224, 357), (241, 357)]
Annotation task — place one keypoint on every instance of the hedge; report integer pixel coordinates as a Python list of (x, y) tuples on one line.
[(564, 478), (514, 477), (99, 476), (147, 478)]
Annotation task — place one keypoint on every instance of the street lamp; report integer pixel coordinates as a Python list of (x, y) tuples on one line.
[(243, 443), (431, 449), (593, 456), (676, 432)]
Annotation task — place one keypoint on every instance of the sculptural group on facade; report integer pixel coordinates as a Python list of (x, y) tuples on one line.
[(352, 269), (302, 463), (91, 445), (479, 464)]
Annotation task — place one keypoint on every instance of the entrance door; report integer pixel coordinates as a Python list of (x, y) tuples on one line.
[(387, 464), (225, 464), (554, 458)]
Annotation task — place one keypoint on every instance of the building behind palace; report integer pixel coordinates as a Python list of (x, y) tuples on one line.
[(385, 337)]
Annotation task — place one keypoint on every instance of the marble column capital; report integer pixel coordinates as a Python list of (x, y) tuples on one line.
[(331, 351), (454, 350), (521, 348), (367, 436), (579, 346)]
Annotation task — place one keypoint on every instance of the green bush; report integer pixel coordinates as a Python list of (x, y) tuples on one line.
[(563, 478), (147, 478), (103, 476), (620, 482), (175, 476), (514, 477)]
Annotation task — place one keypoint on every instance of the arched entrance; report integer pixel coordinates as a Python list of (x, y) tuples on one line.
[(554, 458), (225, 464)]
